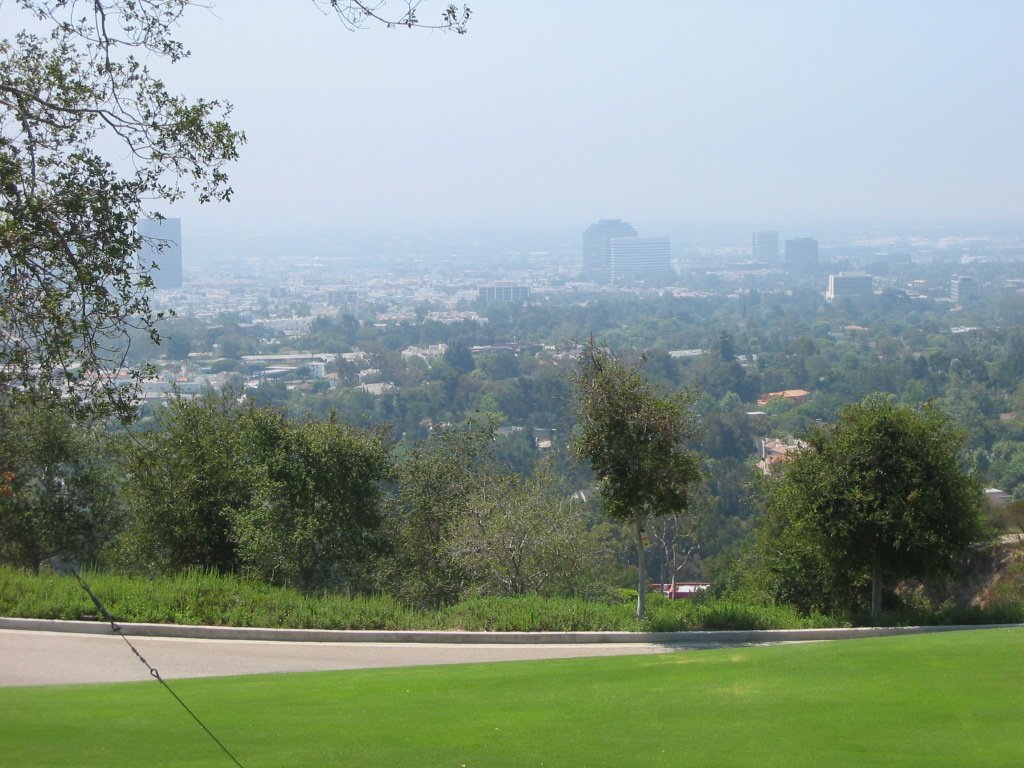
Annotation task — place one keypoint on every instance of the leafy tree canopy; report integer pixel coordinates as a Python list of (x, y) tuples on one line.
[(58, 486), (70, 273), (229, 488), (437, 479), (458, 356), (881, 495), (633, 438)]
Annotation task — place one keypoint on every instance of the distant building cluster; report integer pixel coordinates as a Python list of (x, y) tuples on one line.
[(427, 353), (796, 252), (640, 259), (774, 452), (269, 367), (308, 295), (289, 326), (452, 316), (597, 248), (614, 253)]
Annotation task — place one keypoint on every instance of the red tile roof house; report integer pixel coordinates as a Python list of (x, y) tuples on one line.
[(795, 396)]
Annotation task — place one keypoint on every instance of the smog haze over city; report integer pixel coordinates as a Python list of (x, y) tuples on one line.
[(695, 120)]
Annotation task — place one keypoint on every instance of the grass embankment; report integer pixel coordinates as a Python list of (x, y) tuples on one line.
[(199, 598), (950, 699)]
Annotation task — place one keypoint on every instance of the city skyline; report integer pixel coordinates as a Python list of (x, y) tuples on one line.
[(787, 116)]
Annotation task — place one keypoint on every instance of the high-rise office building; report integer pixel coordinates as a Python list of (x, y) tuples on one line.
[(802, 252), (636, 259), (597, 250), (766, 247), (848, 284), (161, 246)]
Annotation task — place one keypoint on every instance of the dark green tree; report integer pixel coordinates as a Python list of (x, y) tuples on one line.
[(880, 496), (635, 440), (58, 487), (316, 521), (189, 477), (458, 356), (230, 488), (500, 365), (437, 478)]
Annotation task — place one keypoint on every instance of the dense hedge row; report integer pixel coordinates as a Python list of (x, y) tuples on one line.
[(203, 598)]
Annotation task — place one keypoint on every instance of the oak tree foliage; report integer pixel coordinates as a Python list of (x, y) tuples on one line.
[(357, 14), (878, 497), (463, 524), (91, 141), (437, 478), (58, 486), (233, 488), (77, 96)]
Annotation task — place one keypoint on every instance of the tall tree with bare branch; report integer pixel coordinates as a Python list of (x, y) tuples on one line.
[(635, 440)]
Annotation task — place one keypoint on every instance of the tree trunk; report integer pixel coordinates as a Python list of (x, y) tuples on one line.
[(641, 575), (876, 591)]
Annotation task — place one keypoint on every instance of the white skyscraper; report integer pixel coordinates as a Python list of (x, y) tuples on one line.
[(646, 259), (766, 247)]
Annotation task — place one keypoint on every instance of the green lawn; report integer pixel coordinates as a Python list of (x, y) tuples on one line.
[(929, 700)]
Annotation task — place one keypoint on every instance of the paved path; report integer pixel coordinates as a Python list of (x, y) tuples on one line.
[(48, 658), (39, 652)]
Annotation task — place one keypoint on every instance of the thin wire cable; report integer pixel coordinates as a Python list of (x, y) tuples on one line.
[(154, 673)]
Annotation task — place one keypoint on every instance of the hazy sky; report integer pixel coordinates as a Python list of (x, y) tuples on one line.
[(668, 113)]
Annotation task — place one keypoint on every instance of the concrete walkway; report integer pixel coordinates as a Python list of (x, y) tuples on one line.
[(41, 652), (49, 658)]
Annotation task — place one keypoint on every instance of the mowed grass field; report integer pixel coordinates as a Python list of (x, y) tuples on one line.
[(948, 699)]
